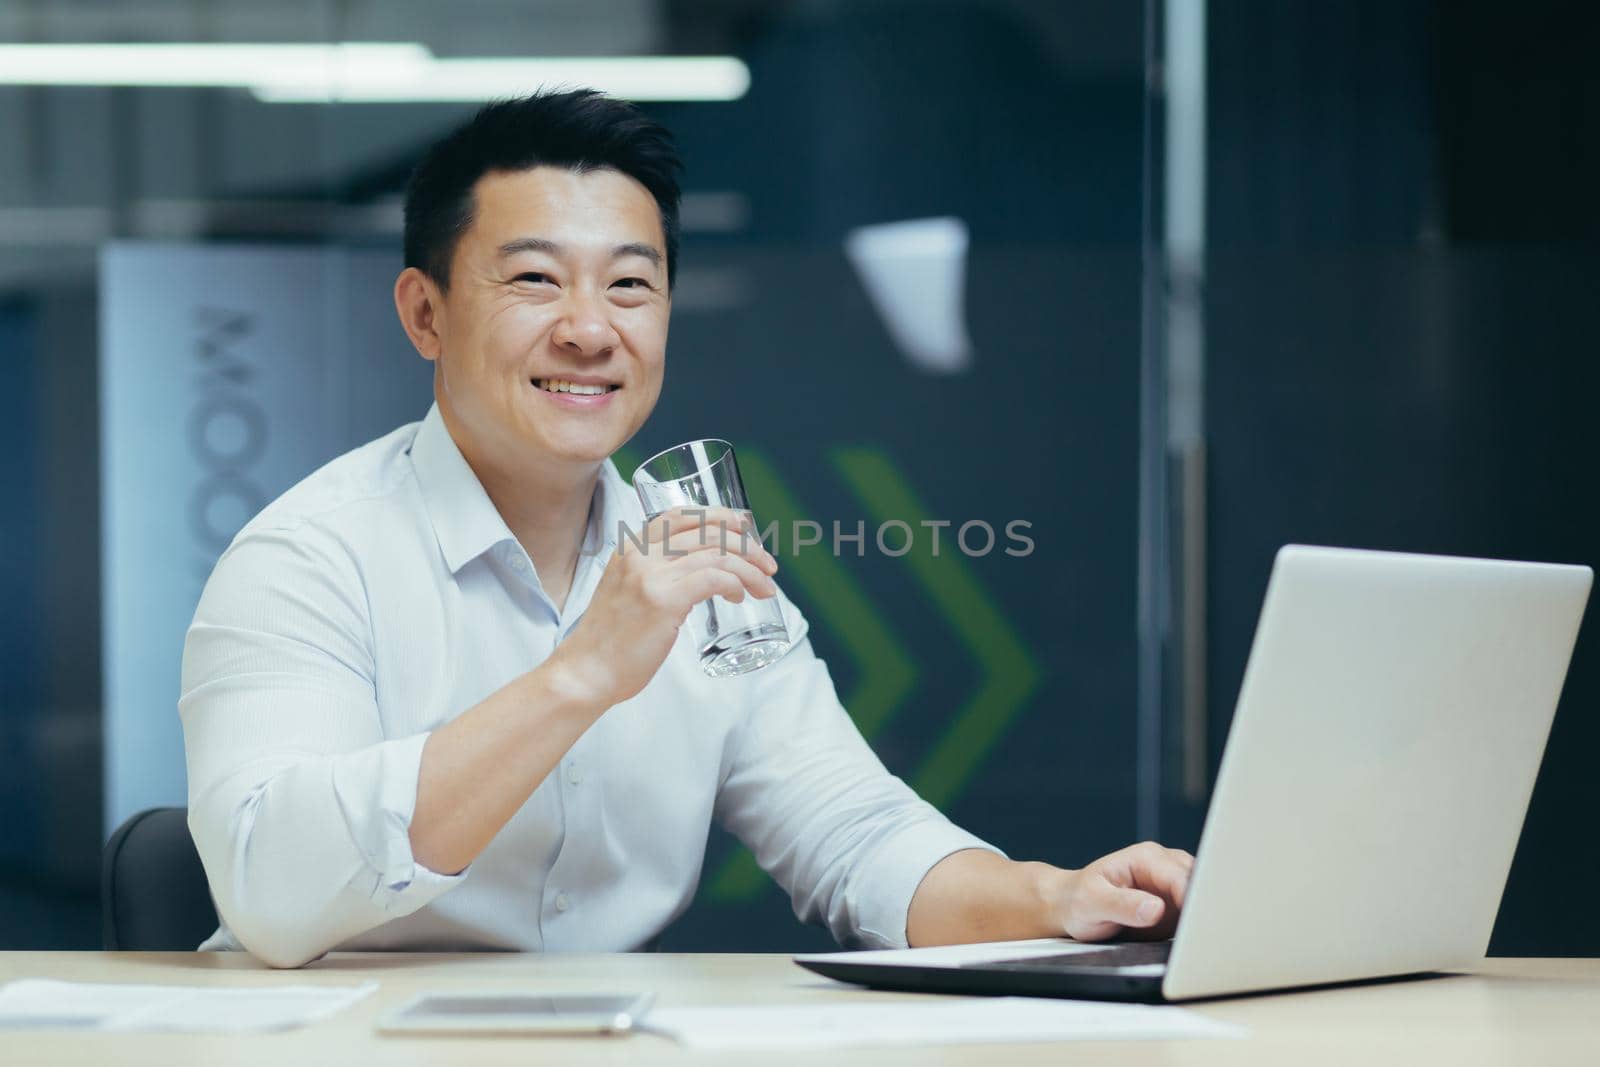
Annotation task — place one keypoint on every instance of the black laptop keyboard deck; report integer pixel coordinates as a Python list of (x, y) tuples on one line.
[(1126, 954)]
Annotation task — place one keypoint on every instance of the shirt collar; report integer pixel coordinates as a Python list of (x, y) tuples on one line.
[(465, 520), (614, 505)]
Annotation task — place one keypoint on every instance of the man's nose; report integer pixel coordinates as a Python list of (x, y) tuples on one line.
[(584, 328)]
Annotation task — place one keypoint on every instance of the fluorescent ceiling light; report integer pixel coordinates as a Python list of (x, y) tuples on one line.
[(223, 65), (367, 72), (629, 77)]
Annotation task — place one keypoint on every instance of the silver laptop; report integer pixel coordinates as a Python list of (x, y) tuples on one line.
[(1378, 767)]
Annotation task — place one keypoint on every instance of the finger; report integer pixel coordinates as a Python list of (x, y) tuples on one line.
[(1130, 907), (707, 582), (1162, 871), (721, 539), (689, 516), (1149, 865), (749, 577)]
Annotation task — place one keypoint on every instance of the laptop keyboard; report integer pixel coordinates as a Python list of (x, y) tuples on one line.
[(1126, 954)]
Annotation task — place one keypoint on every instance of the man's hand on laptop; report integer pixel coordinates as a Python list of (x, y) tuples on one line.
[(975, 895), (1134, 892)]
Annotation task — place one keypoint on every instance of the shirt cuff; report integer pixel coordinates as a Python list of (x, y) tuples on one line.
[(897, 869), (377, 792)]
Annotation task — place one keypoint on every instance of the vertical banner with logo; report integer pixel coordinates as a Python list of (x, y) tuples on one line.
[(228, 373)]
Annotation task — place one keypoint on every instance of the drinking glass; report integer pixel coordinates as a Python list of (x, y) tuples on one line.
[(732, 639)]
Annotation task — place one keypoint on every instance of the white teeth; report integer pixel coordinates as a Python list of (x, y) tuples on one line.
[(561, 385)]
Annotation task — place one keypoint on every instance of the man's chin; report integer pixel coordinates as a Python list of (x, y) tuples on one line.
[(580, 452)]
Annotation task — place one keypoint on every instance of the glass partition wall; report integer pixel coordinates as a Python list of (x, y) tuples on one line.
[(1371, 260)]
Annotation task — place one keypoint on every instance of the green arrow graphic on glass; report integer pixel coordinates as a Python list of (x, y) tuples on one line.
[(885, 672), (627, 461), (1009, 673)]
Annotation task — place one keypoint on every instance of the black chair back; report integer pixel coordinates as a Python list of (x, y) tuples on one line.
[(153, 891)]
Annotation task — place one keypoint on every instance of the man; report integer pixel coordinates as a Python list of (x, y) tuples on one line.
[(431, 700)]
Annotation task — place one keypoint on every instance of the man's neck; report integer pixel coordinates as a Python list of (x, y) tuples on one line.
[(546, 506)]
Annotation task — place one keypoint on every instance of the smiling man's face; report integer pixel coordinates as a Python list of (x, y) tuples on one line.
[(553, 333)]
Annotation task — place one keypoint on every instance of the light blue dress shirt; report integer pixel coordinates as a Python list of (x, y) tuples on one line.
[(383, 596)]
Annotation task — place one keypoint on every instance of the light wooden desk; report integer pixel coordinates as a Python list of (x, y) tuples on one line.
[(1512, 1012)]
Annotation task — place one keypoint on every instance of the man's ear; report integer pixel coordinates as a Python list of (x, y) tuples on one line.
[(420, 306)]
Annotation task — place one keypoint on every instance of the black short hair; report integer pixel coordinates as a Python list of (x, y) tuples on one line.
[(581, 129)]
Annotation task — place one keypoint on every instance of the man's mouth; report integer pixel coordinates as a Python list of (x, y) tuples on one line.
[(562, 385)]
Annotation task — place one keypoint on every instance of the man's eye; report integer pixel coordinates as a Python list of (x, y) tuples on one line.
[(634, 283), (532, 276)]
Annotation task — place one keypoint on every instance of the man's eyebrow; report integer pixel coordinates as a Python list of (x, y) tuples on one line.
[(530, 244), (549, 247), (637, 248)]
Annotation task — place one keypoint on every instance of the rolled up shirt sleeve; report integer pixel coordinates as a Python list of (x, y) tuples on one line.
[(299, 805), (847, 840)]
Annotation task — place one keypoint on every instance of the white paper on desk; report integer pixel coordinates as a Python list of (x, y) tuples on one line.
[(942, 1021), (37, 1003)]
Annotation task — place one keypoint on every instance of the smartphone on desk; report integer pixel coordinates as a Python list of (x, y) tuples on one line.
[(518, 1013)]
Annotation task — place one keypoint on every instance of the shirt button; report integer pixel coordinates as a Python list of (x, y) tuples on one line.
[(518, 564), (562, 903), (574, 775)]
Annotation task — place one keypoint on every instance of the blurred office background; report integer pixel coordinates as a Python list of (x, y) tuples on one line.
[(1176, 282)]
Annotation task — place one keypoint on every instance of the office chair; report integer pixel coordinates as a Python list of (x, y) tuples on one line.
[(153, 891)]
